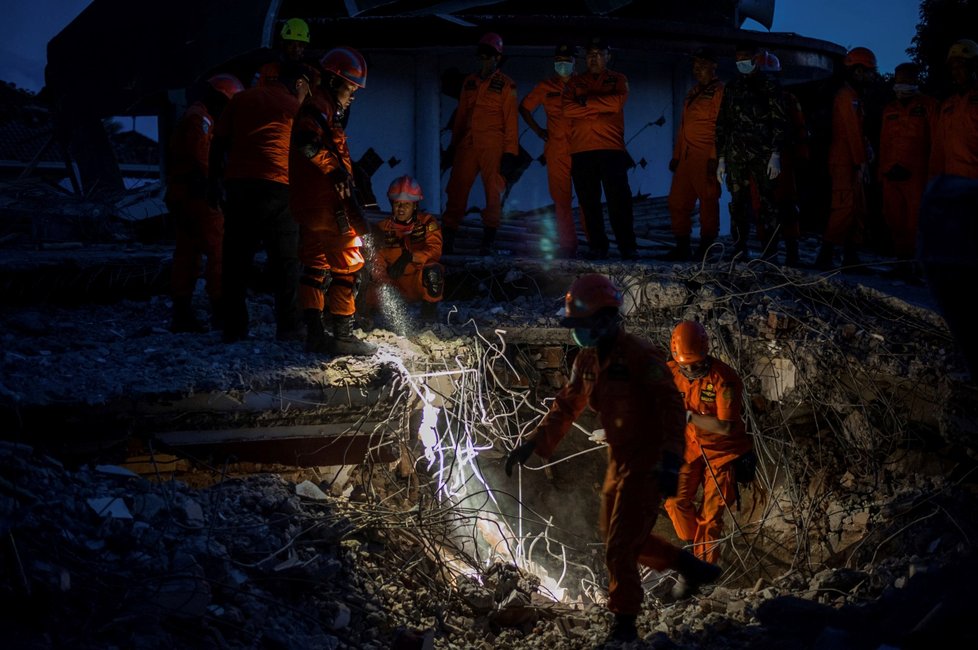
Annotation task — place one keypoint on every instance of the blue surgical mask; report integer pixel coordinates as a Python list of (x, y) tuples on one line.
[(745, 67), (564, 68), (584, 337)]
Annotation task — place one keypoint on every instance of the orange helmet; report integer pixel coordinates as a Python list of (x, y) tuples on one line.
[(226, 84), (861, 56), (767, 62), (690, 343), (404, 188), (588, 295), (347, 63), (493, 41)]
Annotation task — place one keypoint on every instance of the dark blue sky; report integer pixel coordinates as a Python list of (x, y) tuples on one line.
[(885, 26)]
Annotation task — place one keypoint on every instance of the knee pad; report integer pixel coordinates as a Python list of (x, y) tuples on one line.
[(433, 279)]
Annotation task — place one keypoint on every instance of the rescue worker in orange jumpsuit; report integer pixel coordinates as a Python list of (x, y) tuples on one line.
[(199, 225), (715, 437), (556, 147), (955, 146), (595, 104), (909, 121), (694, 162), (625, 379), (485, 143), (849, 158), (324, 203), (408, 249), (250, 157), (293, 40)]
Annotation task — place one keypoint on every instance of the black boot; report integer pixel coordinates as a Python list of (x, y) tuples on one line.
[(825, 261), (693, 573), (623, 629), (488, 237), (448, 240), (344, 342), (703, 249), (317, 340), (184, 317), (850, 257), (791, 253), (681, 252)]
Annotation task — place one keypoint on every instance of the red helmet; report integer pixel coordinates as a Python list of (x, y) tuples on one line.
[(347, 63), (861, 56), (767, 62), (588, 295), (404, 188), (494, 41), (226, 84), (690, 343)]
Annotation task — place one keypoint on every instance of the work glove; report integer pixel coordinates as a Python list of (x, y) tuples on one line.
[(674, 165), (897, 173), (397, 267), (721, 170), (669, 474), (774, 166), (520, 455), (508, 164)]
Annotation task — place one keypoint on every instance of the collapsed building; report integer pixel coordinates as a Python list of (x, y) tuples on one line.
[(168, 490)]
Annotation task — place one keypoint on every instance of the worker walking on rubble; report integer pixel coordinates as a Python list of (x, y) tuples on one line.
[(955, 147), (625, 379), (716, 440), (485, 143), (199, 225), (250, 161), (408, 247), (556, 145), (326, 206), (694, 162)]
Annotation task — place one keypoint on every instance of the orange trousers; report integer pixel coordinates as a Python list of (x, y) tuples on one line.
[(629, 508), (471, 161), (691, 182), (318, 259), (901, 207), (410, 286), (199, 233), (703, 526), (559, 184), (847, 214)]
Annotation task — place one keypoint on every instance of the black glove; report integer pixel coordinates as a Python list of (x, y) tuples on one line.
[(898, 173), (669, 474), (520, 455), (396, 269), (674, 165), (508, 164)]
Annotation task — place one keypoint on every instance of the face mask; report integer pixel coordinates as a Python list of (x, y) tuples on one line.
[(564, 68), (904, 90), (585, 337), (745, 67)]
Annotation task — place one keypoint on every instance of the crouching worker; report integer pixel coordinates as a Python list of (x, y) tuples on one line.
[(625, 379), (408, 249)]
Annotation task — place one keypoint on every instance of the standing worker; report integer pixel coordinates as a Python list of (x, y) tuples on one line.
[(485, 143), (556, 145), (955, 147), (694, 162), (199, 225), (849, 158), (324, 203), (625, 379), (595, 104), (909, 121), (292, 43), (750, 135), (715, 437), (250, 157)]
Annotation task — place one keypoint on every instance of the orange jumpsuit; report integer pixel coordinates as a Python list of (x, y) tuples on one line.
[(422, 238), (329, 228), (905, 139), (719, 394), (955, 146), (485, 127), (199, 227), (695, 147), (642, 414), (847, 151), (556, 150)]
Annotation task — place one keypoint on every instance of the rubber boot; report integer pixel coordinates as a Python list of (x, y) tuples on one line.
[(703, 249), (623, 629), (344, 342), (184, 317), (791, 253), (317, 340), (693, 573), (681, 252), (825, 260), (488, 237), (448, 236)]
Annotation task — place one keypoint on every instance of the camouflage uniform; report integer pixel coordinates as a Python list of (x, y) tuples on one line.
[(750, 126)]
